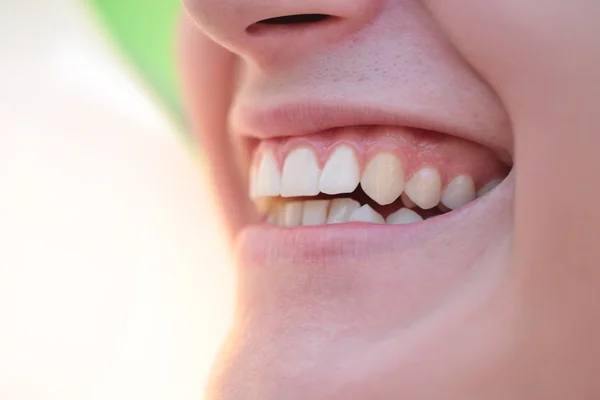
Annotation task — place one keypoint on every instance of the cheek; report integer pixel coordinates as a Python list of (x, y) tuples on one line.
[(518, 46), (207, 72)]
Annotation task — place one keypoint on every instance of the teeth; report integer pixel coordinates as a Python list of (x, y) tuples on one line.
[(460, 191), (291, 214), (488, 187), (403, 216), (341, 173), (425, 188), (264, 204), (265, 179), (341, 209), (366, 214), (383, 178), (315, 212), (273, 215), (300, 174), (408, 203)]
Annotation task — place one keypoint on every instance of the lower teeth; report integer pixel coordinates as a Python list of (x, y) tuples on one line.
[(325, 210), (340, 210)]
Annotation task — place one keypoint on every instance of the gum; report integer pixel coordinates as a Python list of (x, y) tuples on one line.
[(452, 156)]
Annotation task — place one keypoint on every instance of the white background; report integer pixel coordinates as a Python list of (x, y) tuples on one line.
[(114, 279)]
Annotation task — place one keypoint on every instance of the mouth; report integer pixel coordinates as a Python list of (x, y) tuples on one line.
[(369, 174), (361, 232)]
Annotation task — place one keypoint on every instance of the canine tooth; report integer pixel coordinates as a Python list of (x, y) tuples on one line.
[(403, 216), (408, 203), (291, 214), (488, 187), (315, 212), (460, 191), (341, 173), (300, 173), (265, 179), (425, 188), (383, 178), (366, 214), (341, 209)]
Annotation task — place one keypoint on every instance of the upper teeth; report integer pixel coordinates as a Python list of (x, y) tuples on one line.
[(341, 172), (265, 180), (301, 174), (425, 188), (460, 191), (383, 179)]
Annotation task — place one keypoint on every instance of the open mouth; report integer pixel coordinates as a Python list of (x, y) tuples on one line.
[(369, 234), (370, 174)]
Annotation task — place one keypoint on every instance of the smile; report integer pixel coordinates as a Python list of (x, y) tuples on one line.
[(369, 174)]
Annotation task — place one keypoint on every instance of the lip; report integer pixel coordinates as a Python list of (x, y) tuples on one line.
[(310, 118)]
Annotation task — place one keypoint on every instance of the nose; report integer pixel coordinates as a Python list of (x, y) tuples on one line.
[(270, 30)]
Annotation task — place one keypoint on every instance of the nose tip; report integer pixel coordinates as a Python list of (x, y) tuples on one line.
[(269, 30)]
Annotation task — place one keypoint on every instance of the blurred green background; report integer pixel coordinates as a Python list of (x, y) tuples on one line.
[(145, 32)]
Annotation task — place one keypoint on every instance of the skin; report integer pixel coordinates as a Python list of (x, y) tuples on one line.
[(523, 322)]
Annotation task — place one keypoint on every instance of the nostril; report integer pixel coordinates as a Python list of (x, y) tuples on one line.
[(294, 19), (288, 21)]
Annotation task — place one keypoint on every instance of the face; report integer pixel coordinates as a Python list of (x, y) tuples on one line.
[(398, 181)]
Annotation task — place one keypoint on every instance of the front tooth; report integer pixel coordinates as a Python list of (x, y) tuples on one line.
[(341, 209), (300, 174), (341, 173), (403, 216), (383, 178), (315, 212), (488, 187), (425, 188), (291, 214), (366, 214), (460, 191), (265, 179)]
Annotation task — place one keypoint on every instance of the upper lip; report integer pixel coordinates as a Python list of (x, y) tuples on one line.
[(306, 118), (295, 119)]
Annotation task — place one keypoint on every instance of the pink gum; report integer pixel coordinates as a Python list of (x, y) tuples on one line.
[(452, 156)]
